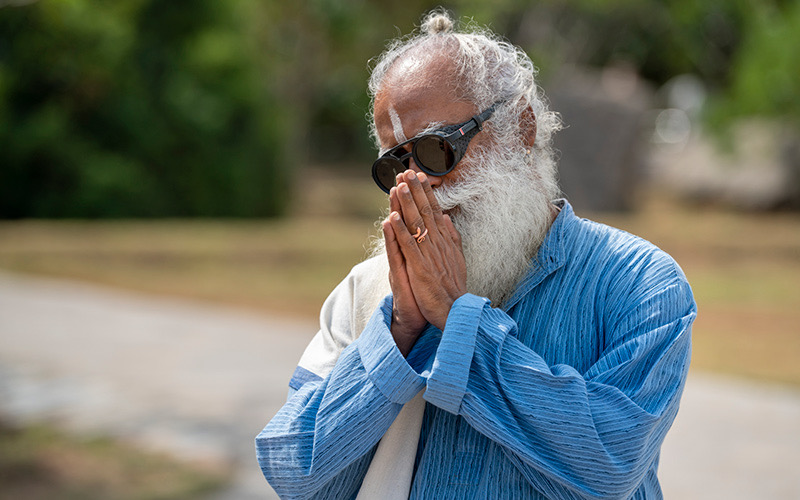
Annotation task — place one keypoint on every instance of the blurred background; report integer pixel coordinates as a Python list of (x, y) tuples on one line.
[(196, 163)]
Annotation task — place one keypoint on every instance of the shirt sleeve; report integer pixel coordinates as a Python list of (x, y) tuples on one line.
[(571, 434), (320, 442)]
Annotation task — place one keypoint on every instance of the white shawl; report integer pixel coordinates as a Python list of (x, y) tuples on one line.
[(342, 319)]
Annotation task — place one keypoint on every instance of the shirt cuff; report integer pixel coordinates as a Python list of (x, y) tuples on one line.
[(448, 380), (385, 365)]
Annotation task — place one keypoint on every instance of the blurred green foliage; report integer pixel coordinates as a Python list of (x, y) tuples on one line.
[(147, 108), (136, 108), (765, 72)]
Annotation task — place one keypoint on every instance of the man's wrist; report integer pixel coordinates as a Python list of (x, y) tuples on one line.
[(404, 336), (449, 307), (383, 362), (447, 382)]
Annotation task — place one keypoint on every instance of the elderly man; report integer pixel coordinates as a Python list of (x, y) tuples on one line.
[(515, 351)]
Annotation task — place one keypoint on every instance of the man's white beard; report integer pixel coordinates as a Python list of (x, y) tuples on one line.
[(503, 211), (502, 208)]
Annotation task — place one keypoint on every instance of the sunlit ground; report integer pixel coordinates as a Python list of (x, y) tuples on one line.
[(744, 268)]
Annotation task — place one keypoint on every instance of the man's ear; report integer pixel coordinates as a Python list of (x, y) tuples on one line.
[(527, 124)]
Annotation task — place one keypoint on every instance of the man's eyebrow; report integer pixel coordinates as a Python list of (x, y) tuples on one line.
[(432, 127)]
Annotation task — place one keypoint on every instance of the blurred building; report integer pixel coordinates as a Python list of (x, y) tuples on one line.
[(603, 144)]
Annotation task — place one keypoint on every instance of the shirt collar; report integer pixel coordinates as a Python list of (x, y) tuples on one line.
[(550, 256)]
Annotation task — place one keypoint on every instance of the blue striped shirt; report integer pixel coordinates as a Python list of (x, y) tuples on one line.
[(566, 392)]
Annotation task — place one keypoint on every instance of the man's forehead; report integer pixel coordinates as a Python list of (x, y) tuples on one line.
[(402, 114), (427, 109), (397, 125), (410, 66), (418, 93), (399, 132), (418, 74)]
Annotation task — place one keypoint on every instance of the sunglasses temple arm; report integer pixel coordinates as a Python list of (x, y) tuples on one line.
[(479, 119), (464, 130), (475, 122)]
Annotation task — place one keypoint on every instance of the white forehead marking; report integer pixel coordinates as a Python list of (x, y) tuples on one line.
[(397, 126)]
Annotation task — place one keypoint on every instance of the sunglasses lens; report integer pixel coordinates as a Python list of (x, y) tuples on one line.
[(385, 170), (434, 153)]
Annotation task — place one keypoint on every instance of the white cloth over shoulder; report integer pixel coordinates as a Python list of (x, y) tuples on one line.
[(342, 319)]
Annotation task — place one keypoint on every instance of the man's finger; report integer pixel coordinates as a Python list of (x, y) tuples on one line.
[(451, 228), (434, 204), (393, 253), (411, 216), (421, 200), (405, 240), (394, 201)]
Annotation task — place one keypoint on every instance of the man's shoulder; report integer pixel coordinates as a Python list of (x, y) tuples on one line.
[(367, 284), (581, 235), (593, 234), (611, 247), (345, 313), (375, 267), (623, 269)]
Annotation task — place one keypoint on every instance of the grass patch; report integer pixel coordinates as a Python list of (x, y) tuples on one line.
[(284, 266), (37, 462), (744, 268)]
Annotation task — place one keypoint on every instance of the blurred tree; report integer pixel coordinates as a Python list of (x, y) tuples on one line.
[(744, 51), (136, 108), (713, 39), (147, 108), (764, 73), (661, 38), (320, 51)]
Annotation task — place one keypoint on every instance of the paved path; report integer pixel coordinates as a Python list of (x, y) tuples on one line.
[(200, 381)]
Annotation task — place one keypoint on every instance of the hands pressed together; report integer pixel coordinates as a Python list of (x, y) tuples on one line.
[(426, 274)]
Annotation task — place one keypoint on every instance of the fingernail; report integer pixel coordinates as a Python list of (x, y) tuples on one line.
[(422, 177), (410, 174), (395, 216), (404, 188)]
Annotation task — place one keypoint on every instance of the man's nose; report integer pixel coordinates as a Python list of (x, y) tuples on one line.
[(434, 180)]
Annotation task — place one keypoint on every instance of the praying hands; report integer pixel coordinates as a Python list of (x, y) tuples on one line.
[(427, 270)]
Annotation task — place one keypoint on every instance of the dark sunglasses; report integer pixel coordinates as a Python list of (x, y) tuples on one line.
[(435, 153)]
